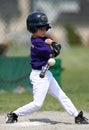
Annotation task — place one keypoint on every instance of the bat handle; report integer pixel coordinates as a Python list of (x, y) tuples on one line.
[(42, 75), (43, 71)]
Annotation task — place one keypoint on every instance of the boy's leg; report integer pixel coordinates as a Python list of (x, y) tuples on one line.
[(56, 91), (40, 88)]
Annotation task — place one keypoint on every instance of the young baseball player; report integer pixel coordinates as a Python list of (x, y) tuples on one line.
[(42, 49)]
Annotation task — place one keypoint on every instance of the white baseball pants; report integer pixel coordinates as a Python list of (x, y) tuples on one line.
[(42, 86)]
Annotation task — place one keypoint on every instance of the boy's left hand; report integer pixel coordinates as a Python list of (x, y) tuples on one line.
[(49, 41)]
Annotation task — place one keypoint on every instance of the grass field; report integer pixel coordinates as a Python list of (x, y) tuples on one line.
[(75, 77)]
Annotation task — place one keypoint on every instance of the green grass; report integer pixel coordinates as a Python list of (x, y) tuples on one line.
[(75, 83), (76, 70), (10, 101), (75, 76)]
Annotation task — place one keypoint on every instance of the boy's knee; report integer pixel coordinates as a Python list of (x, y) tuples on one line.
[(38, 105)]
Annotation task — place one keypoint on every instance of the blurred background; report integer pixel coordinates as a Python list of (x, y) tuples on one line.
[(69, 19), (70, 27)]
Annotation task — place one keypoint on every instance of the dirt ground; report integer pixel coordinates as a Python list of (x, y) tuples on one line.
[(47, 120)]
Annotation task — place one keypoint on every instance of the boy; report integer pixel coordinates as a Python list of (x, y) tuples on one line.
[(41, 51)]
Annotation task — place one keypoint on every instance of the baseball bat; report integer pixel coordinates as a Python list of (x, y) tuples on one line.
[(57, 48), (43, 71)]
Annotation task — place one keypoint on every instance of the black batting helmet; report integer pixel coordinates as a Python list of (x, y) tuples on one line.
[(36, 20)]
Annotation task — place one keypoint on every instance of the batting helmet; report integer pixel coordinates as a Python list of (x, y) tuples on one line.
[(36, 20)]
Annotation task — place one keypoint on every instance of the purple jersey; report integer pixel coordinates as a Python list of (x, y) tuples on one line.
[(40, 52)]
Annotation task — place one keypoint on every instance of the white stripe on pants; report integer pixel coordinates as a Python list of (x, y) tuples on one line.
[(42, 86)]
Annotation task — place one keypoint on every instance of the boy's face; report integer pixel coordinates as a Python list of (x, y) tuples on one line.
[(40, 32)]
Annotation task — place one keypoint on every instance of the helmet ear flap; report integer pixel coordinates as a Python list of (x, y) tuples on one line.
[(32, 29)]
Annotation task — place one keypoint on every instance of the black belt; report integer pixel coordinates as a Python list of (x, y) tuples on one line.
[(40, 68)]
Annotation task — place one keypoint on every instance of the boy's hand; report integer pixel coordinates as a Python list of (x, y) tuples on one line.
[(49, 41)]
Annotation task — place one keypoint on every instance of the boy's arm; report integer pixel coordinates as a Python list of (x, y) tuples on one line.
[(55, 47)]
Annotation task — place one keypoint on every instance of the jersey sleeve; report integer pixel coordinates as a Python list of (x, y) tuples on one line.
[(41, 48)]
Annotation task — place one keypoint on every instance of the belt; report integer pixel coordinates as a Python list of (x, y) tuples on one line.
[(40, 68)]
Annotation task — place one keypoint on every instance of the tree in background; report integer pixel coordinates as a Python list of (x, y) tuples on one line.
[(73, 37)]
